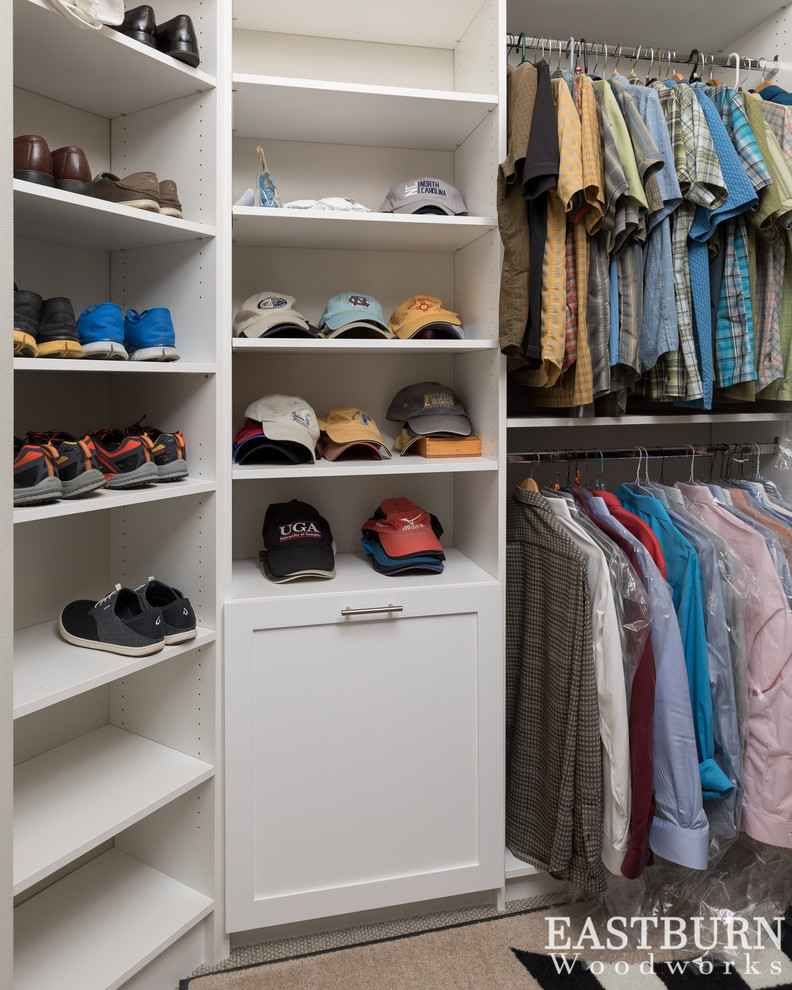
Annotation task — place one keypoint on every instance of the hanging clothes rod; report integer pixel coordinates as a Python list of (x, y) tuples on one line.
[(640, 453), (568, 46)]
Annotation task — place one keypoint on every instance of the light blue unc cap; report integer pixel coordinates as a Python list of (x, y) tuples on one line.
[(354, 314)]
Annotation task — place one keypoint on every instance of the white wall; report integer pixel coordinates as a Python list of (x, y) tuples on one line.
[(6, 532)]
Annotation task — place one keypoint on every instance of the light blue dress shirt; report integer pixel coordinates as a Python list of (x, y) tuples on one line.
[(724, 813), (679, 830), (684, 576)]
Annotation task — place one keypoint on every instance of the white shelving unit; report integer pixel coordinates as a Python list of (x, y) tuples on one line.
[(291, 228), (339, 113), (349, 127), (127, 754), (117, 791), (133, 76), (48, 670), (93, 787), (96, 948), (62, 217)]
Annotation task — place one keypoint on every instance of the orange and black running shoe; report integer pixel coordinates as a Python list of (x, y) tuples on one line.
[(75, 462), (167, 450), (35, 475), (124, 461)]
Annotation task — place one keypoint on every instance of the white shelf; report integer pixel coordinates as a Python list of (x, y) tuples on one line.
[(356, 231), (72, 798), (48, 670), (100, 925), (50, 214), (396, 465), (538, 422), (283, 109), (669, 25), (517, 868), (103, 72), (106, 499), (268, 345), (440, 26), (116, 367), (354, 573)]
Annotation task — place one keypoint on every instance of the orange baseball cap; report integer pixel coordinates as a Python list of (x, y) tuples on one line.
[(424, 316)]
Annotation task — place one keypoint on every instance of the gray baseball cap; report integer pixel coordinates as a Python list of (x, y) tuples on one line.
[(424, 195), (428, 408)]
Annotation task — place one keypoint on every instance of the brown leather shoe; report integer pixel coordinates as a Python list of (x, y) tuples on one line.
[(71, 170), (32, 160), (141, 190), (169, 199)]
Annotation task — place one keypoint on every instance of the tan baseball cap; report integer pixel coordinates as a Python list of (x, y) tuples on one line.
[(424, 316), (350, 425)]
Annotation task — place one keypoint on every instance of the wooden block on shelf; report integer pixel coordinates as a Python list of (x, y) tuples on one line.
[(449, 446)]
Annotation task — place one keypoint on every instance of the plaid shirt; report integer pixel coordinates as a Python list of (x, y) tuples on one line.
[(730, 107), (781, 390), (734, 324), (576, 387), (647, 155), (775, 201), (676, 375), (553, 751)]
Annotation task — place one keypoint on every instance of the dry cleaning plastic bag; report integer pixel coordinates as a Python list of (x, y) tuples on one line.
[(267, 190)]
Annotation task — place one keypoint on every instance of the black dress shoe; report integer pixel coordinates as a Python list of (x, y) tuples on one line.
[(178, 39), (140, 24)]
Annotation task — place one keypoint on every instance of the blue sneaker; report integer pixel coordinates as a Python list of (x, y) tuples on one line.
[(150, 335), (101, 332)]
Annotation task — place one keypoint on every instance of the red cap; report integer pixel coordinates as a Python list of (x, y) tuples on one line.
[(404, 529)]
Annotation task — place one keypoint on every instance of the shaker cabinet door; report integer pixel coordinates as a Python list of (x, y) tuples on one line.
[(363, 754)]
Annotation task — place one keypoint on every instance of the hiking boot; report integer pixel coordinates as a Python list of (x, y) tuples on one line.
[(72, 171), (140, 190), (140, 24), (169, 199), (178, 618), (101, 332), (74, 462), (27, 307), (117, 623), (167, 450), (149, 336), (35, 475), (124, 461), (33, 160), (57, 333), (178, 39)]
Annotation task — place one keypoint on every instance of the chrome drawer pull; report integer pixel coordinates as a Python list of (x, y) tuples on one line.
[(372, 611)]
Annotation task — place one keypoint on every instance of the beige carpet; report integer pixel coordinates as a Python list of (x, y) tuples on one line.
[(472, 955)]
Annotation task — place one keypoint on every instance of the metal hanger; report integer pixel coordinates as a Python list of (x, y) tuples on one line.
[(633, 74), (617, 54), (651, 63)]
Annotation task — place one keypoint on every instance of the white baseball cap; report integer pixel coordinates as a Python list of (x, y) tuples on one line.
[(286, 417), (271, 314)]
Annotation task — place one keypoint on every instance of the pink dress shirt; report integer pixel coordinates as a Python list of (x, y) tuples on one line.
[(767, 768)]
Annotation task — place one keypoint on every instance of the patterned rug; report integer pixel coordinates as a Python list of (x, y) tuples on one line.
[(512, 952)]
